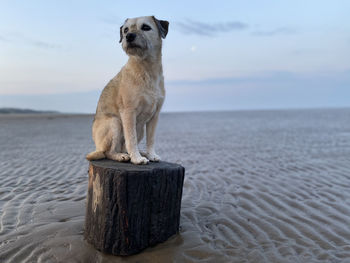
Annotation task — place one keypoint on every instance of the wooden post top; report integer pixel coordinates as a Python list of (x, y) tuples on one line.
[(127, 166)]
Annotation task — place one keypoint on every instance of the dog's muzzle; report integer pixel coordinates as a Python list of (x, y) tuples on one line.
[(130, 37)]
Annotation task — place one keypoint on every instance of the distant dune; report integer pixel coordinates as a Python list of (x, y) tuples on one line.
[(22, 111)]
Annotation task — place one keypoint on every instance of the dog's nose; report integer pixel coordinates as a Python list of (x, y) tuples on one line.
[(130, 37)]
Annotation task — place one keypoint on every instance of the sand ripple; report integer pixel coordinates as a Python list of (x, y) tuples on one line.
[(267, 186)]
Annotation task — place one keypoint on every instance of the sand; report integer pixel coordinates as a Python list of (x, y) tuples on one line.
[(268, 186)]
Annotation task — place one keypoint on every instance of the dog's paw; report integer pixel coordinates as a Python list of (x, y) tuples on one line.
[(123, 157), (119, 157), (153, 157), (139, 160)]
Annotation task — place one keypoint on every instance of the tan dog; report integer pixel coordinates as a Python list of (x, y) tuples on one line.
[(134, 97)]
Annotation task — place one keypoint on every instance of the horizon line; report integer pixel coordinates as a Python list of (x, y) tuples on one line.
[(51, 112)]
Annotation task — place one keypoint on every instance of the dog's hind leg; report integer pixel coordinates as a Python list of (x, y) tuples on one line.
[(100, 136)]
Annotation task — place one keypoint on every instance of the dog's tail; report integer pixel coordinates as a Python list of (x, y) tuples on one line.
[(96, 155)]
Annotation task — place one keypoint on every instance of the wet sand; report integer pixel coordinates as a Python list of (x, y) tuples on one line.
[(260, 186)]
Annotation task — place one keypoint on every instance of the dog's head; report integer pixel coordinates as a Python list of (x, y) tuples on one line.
[(142, 36)]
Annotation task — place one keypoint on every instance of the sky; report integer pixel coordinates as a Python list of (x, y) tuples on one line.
[(218, 55)]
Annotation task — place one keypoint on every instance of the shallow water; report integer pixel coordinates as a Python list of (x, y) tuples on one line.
[(260, 186)]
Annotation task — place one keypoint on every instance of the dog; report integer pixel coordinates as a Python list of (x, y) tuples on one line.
[(134, 97)]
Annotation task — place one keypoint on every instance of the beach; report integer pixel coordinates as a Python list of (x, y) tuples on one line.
[(260, 186)]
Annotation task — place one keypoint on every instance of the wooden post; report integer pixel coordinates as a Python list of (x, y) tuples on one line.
[(131, 207)]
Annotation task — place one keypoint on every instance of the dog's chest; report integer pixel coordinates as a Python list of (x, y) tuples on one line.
[(150, 100)]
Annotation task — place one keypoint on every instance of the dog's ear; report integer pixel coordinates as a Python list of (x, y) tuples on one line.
[(162, 25), (121, 31), (121, 34)]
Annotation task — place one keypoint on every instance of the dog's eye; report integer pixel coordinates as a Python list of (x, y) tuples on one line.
[(126, 30), (146, 27)]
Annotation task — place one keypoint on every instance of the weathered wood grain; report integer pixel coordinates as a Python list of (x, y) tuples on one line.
[(131, 207)]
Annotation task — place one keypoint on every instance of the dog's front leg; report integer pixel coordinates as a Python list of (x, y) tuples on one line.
[(129, 128), (150, 135)]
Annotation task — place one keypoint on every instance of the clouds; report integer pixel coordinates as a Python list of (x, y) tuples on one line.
[(43, 44), (191, 27), (209, 29), (268, 90), (17, 38), (276, 31), (112, 19), (3, 39), (278, 78)]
